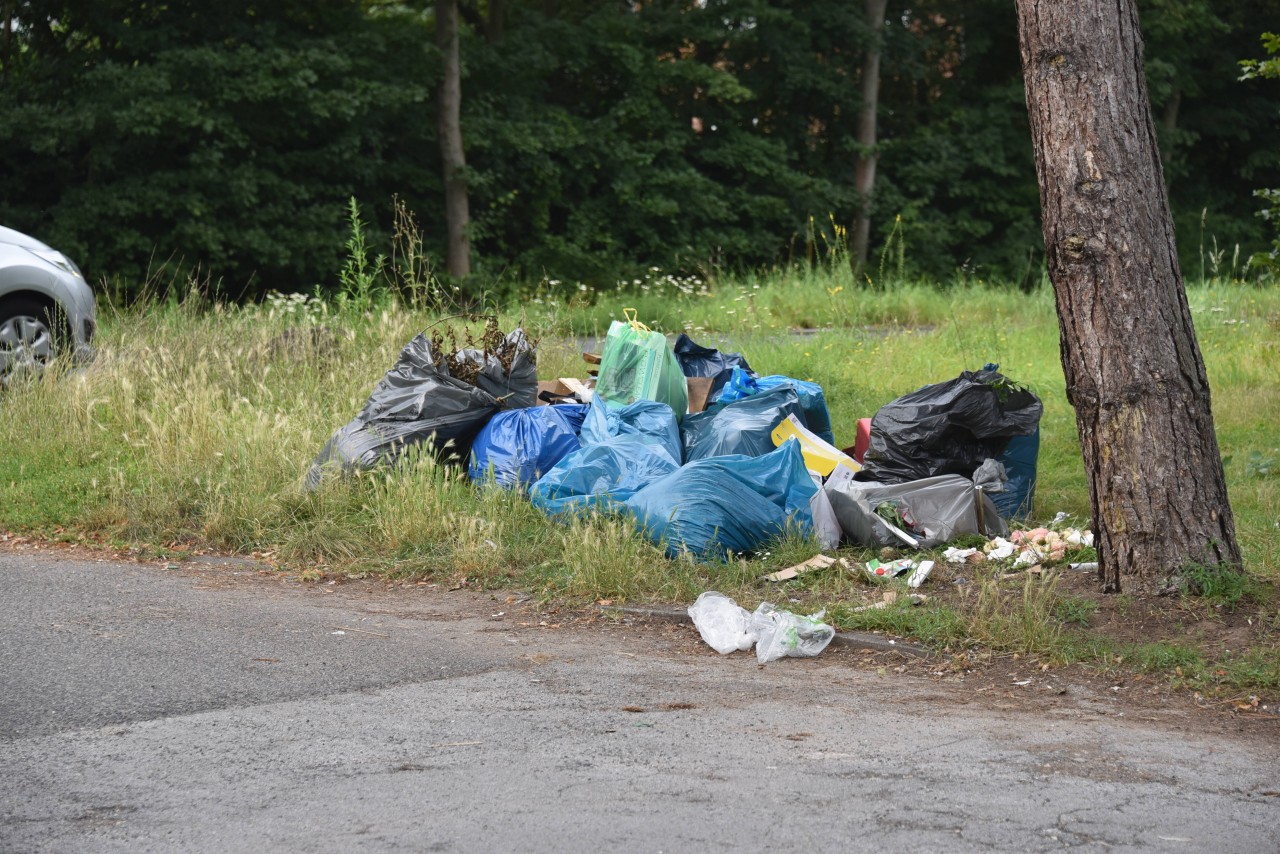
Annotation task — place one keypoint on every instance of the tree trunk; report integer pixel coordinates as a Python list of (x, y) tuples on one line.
[(864, 173), (457, 212), (1133, 368), (496, 24)]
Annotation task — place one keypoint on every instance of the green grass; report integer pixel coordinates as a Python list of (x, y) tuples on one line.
[(197, 422)]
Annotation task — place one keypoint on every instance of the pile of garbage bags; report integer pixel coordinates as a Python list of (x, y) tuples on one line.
[(760, 460)]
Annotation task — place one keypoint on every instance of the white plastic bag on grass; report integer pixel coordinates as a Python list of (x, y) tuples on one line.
[(724, 624)]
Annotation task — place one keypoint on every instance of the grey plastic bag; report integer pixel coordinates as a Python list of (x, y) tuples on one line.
[(928, 512)]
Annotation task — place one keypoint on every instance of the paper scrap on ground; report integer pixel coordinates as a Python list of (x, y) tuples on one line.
[(815, 562)]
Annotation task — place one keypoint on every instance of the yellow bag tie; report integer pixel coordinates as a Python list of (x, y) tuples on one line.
[(630, 314)]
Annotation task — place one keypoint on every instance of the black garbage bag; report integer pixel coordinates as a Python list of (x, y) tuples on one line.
[(421, 399), (698, 361), (948, 428)]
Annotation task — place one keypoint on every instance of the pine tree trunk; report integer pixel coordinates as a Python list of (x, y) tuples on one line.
[(1133, 368), (864, 173), (457, 212)]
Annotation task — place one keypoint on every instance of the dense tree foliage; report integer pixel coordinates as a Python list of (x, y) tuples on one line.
[(601, 137)]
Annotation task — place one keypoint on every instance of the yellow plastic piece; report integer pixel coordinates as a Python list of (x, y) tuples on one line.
[(819, 456)]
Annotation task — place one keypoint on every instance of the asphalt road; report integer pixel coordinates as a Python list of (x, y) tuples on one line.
[(218, 710)]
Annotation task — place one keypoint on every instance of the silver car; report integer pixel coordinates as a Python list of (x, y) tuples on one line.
[(46, 308)]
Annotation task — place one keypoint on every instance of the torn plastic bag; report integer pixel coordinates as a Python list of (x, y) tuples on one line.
[(1019, 460), (733, 503), (782, 634), (991, 476), (814, 403), (924, 513), (741, 427), (522, 444), (948, 428), (601, 476), (637, 364), (723, 623), (651, 422), (419, 400), (698, 361)]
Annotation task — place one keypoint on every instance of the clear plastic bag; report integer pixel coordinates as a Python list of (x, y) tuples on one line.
[(724, 624), (782, 634)]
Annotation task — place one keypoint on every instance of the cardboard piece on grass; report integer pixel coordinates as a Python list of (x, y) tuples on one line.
[(815, 562), (890, 598)]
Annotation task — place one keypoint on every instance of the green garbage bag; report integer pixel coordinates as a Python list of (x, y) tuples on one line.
[(637, 364)]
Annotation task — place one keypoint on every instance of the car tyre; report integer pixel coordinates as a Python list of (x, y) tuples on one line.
[(28, 341)]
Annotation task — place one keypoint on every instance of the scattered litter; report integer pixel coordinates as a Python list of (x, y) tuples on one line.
[(782, 634), (728, 627), (815, 562), (344, 629), (880, 570), (1088, 566), (999, 549), (723, 623), (955, 555), (337, 633), (920, 573), (891, 598)]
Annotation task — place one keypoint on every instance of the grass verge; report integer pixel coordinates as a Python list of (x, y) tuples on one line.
[(195, 424)]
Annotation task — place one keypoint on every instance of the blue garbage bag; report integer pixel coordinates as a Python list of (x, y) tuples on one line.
[(698, 361), (1020, 457), (814, 403), (601, 476), (654, 423), (734, 502), (741, 427), (521, 444)]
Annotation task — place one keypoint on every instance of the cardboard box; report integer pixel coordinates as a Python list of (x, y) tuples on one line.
[(699, 391)]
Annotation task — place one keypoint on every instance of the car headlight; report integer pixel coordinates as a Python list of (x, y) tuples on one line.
[(57, 259)]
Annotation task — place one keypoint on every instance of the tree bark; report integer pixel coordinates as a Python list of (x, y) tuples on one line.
[(457, 211), (1169, 123), (1133, 367), (864, 173), (496, 24)]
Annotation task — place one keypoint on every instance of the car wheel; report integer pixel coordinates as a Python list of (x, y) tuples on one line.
[(26, 337)]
